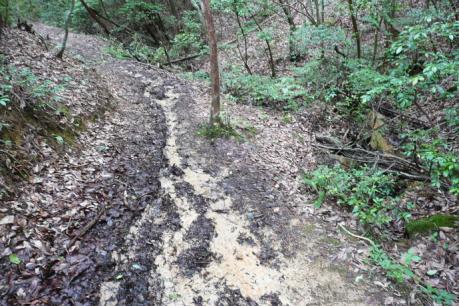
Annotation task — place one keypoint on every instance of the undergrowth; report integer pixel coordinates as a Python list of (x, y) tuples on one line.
[(401, 272), (215, 131), (281, 92), (227, 128), (369, 193), (30, 106)]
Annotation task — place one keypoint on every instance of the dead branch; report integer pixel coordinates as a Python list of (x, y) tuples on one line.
[(392, 163), (184, 59), (86, 228)]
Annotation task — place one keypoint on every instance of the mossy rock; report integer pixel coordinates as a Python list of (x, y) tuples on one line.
[(432, 223), (378, 142)]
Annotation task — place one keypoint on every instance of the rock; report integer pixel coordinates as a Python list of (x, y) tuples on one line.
[(7, 220)]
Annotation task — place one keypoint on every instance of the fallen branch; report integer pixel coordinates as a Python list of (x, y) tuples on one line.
[(357, 236), (372, 157), (184, 59), (86, 228)]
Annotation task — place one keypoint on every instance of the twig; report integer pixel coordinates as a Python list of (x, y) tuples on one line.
[(357, 236), (86, 228), (184, 59)]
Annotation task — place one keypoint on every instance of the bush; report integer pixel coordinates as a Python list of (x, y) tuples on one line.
[(435, 155), (368, 192), (282, 92)]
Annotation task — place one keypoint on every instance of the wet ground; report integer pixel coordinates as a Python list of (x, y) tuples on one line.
[(194, 222)]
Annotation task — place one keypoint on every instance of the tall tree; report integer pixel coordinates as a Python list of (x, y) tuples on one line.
[(355, 28), (4, 12), (292, 27), (214, 71), (68, 20)]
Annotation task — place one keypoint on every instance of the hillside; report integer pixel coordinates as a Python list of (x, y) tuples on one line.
[(328, 175)]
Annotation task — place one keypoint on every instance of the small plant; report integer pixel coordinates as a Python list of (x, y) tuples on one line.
[(282, 92), (397, 271), (218, 131), (117, 50), (401, 272), (368, 192), (439, 296), (436, 156)]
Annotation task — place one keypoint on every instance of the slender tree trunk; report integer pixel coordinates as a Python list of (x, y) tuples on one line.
[(322, 4), (100, 20), (316, 4), (104, 9), (245, 58), (376, 42), (272, 65), (355, 28), (4, 12), (292, 27), (214, 71), (68, 21)]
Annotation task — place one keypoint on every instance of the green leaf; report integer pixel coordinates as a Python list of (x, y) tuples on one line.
[(136, 267), (320, 199), (432, 272), (399, 50), (14, 259), (59, 139)]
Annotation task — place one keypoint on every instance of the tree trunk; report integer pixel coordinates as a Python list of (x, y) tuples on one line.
[(100, 20), (292, 27), (214, 71), (355, 28), (4, 12), (245, 57), (68, 20), (272, 64)]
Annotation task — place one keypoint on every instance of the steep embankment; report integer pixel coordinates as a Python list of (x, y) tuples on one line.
[(179, 220)]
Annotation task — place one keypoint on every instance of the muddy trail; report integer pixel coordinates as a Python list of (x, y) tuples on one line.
[(193, 222)]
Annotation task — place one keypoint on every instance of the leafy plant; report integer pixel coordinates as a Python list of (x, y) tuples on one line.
[(218, 131), (14, 259), (282, 92), (436, 155), (368, 192), (397, 271)]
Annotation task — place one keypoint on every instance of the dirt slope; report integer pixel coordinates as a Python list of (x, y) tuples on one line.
[(189, 222)]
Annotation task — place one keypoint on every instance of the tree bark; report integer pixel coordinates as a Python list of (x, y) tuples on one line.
[(245, 57), (355, 28), (272, 64), (214, 70), (100, 20), (68, 20), (4, 12), (292, 27)]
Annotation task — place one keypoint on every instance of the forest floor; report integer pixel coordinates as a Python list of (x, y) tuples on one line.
[(178, 219)]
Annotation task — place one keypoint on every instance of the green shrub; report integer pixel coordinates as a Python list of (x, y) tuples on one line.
[(441, 161), (263, 90), (401, 272), (368, 192), (28, 91), (189, 39), (212, 132)]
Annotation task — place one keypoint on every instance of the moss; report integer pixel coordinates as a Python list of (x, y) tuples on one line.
[(429, 224), (309, 229), (14, 135), (68, 135)]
